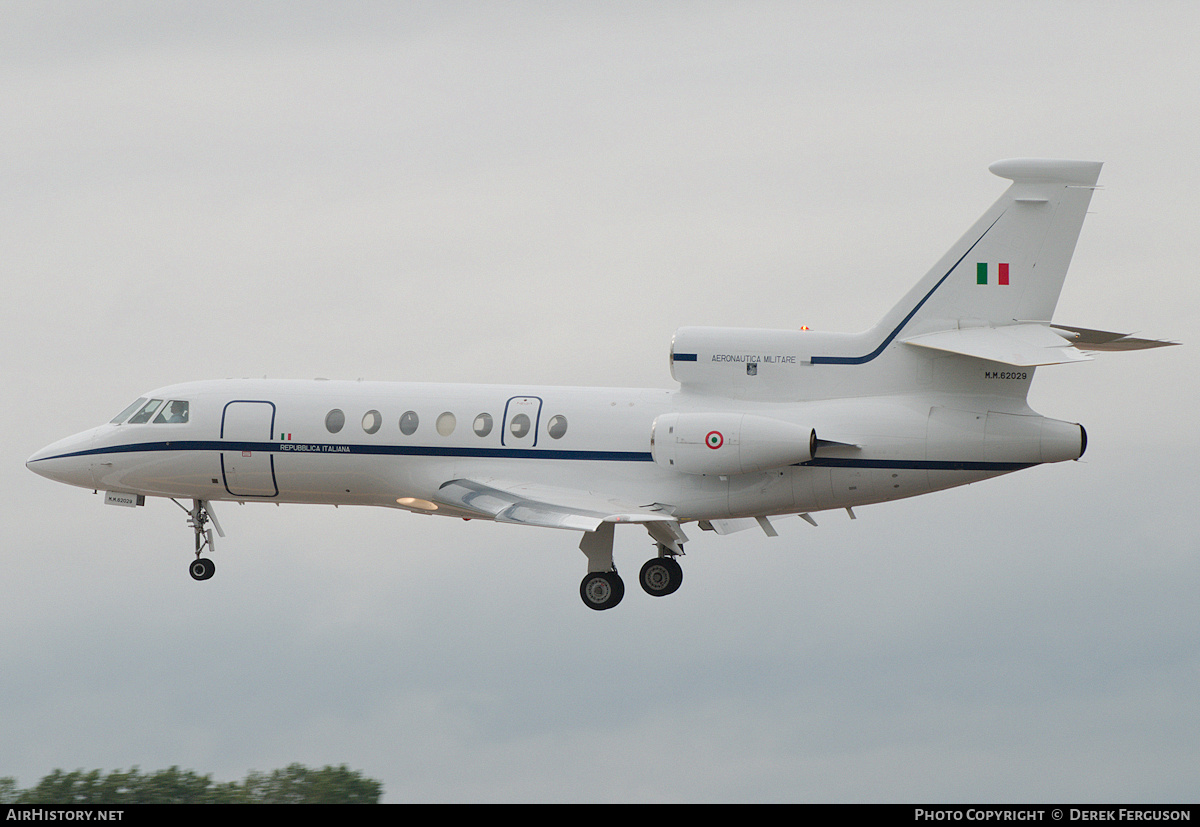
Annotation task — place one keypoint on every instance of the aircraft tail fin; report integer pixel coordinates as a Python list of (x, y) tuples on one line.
[(989, 299), (1010, 266)]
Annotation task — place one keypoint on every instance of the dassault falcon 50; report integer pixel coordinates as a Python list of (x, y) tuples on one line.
[(763, 423)]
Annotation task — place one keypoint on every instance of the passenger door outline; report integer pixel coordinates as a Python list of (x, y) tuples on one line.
[(249, 469)]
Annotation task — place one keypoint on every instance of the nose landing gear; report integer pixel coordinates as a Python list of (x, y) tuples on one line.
[(199, 516)]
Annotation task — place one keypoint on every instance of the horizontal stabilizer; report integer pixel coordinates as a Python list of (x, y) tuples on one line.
[(507, 502), (1025, 345), (1105, 340)]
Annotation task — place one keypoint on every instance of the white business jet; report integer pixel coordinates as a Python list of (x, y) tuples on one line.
[(764, 423)]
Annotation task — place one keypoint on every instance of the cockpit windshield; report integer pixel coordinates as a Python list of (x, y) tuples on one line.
[(172, 412), (146, 412), (119, 418)]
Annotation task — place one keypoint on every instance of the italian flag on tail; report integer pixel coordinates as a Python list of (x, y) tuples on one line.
[(981, 273)]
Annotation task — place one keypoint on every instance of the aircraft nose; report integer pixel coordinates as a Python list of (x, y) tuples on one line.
[(67, 461)]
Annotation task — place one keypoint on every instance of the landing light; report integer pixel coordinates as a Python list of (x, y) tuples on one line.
[(413, 502)]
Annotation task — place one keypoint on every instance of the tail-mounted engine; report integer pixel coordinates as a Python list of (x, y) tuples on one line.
[(728, 443)]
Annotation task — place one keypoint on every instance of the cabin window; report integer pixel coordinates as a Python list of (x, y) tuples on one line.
[(409, 423), (445, 424), (175, 411), (335, 420), (519, 425), (483, 424), (371, 421), (119, 418), (557, 426), (148, 410)]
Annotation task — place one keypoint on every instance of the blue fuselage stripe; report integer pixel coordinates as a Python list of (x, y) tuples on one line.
[(306, 448), (859, 360), (302, 448), (918, 464)]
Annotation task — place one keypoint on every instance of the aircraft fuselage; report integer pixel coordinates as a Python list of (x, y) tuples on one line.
[(275, 441)]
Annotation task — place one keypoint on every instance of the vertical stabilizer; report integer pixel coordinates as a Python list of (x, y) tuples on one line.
[(1007, 271), (1010, 265)]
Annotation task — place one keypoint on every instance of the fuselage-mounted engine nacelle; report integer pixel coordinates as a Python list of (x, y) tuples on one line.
[(728, 443)]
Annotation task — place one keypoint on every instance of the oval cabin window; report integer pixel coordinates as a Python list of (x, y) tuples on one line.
[(519, 425), (483, 424)]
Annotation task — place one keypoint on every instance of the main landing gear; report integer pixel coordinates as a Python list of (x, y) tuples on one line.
[(661, 575), (602, 588), (199, 516)]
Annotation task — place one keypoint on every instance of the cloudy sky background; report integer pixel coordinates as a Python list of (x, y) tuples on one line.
[(540, 194)]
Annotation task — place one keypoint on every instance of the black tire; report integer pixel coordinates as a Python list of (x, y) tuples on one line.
[(601, 590), (661, 576), (202, 568)]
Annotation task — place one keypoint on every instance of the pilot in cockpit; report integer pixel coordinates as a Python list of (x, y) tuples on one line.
[(176, 412)]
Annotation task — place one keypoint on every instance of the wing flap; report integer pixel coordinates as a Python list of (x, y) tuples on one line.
[(540, 505)]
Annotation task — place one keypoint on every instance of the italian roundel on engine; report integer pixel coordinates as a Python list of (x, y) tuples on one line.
[(728, 443)]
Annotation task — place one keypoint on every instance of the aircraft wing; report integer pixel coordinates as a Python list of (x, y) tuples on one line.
[(548, 506)]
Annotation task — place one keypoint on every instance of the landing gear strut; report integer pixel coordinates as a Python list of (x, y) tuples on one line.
[(199, 516)]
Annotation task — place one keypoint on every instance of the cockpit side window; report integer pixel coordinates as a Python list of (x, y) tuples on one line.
[(119, 418), (174, 411), (146, 412)]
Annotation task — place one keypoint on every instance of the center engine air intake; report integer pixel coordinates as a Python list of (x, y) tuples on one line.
[(728, 443)]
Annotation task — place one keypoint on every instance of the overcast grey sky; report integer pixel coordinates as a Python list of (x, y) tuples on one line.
[(541, 193)]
